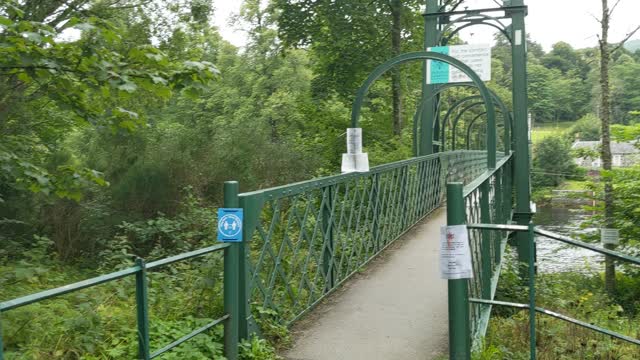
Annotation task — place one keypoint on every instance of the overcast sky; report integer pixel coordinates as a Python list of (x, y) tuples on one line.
[(549, 21)]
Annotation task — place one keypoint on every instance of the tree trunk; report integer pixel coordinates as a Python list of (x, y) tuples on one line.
[(396, 86), (605, 154)]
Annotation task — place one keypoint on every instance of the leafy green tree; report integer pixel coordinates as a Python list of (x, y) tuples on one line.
[(541, 100), (350, 38), (587, 128), (625, 93), (51, 85), (552, 161)]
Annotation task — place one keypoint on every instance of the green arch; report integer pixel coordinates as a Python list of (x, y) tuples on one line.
[(427, 55)]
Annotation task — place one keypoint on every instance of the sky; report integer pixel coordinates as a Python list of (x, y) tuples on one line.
[(548, 22)]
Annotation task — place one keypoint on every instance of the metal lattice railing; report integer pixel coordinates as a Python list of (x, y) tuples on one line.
[(487, 200), (311, 236), (302, 240)]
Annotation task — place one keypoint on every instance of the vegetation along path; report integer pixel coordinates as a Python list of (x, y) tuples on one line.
[(396, 309)]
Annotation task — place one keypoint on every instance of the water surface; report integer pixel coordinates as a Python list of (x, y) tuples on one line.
[(554, 256)]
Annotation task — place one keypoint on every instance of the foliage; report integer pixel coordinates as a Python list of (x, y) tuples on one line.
[(552, 162), (120, 120), (580, 296), (257, 349), (587, 128)]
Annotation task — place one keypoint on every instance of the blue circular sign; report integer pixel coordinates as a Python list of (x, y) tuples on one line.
[(230, 225)]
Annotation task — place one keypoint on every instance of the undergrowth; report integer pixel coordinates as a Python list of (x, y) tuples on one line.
[(580, 296)]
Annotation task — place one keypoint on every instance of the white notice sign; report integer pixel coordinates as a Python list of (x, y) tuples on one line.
[(455, 254), (610, 236), (477, 57)]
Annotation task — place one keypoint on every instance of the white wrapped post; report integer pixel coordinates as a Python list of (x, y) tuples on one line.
[(354, 140), (354, 160)]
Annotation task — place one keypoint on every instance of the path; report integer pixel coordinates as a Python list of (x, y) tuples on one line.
[(395, 310)]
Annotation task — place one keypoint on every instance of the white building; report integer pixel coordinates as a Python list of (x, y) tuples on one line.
[(623, 154)]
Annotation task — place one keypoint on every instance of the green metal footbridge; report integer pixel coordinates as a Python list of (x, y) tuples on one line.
[(302, 241)]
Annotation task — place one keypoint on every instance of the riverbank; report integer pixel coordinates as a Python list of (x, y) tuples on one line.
[(577, 295)]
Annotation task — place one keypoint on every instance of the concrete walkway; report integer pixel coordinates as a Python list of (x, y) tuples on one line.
[(395, 310)]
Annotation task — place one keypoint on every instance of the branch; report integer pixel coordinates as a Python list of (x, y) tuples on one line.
[(613, 8), (629, 35), (595, 18)]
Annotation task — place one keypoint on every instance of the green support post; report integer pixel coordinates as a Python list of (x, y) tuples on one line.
[(405, 196), (459, 325), (142, 311), (327, 235), (375, 223), (427, 117), (532, 292), (485, 246), (500, 218), (521, 129), (232, 304)]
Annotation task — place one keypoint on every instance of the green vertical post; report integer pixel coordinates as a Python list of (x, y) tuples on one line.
[(485, 246), (142, 311), (404, 191), (459, 326), (521, 128), (238, 251), (500, 218), (375, 226), (532, 292), (508, 190), (429, 109), (327, 236), (232, 304)]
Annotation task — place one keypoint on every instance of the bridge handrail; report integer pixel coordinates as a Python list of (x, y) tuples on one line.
[(142, 320), (306, 238), (477, 182), (299, 187), (531, 281), (487, 199)]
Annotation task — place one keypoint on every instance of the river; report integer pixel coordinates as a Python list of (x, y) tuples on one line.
[(554, 256)]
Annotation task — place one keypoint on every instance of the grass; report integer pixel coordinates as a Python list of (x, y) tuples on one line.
[(541, 131), (574, 185)]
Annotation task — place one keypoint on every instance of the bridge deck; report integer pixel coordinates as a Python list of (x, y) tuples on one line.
[(395, 309)]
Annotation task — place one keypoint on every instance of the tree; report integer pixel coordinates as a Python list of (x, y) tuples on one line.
[(552, 162), (349, 39), (587, 128), (50, 86), (605, 117)]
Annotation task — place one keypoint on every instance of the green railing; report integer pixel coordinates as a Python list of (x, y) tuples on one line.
[(301, 241), (139, 271), (470, 302), (305, 239), (488, 199), (231, 292)]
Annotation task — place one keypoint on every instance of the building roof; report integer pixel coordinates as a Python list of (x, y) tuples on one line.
[(617, 148)]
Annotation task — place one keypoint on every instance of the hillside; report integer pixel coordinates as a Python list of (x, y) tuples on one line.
[(632, 45)]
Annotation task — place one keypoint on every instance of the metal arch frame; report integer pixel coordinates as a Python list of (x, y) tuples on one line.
[(508, 120), (503, 110), (427, 55), (453, 107), (454, 126), (471, 20), (467, 140), (506, 115)]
